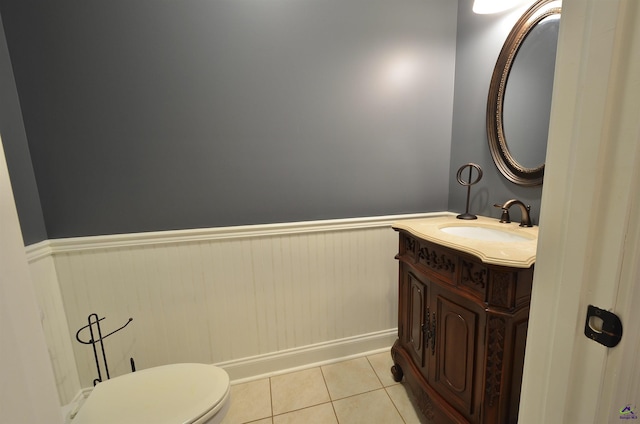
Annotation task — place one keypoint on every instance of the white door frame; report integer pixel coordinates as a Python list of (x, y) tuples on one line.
[(28, 391), (589, 240)]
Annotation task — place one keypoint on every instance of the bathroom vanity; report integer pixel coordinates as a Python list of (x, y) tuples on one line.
[(463, 312)]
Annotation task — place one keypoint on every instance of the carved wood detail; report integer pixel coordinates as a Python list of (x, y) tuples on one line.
[(425, 405), (473, 275), (409, 244), (495, 354), (500, 282), (433, 259)]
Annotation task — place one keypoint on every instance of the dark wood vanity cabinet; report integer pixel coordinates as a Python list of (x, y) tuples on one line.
[(462, 326)]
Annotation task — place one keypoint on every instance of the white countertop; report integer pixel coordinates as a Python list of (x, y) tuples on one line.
[(518, 254)]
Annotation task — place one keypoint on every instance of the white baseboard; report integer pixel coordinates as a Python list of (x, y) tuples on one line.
[(70, 410), (263, 366)]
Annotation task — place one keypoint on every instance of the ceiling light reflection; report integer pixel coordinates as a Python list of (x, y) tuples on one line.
[(401, 70)]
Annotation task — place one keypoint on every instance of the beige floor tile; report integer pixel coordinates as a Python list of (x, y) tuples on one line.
[(264, 421), (249, 402), (350, 377), (298, 390), (382, 364), (367, 408), (319, 414), (401, 398)]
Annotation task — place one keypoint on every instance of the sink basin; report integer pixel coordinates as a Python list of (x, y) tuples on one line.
[(484, 233), (485, 238)]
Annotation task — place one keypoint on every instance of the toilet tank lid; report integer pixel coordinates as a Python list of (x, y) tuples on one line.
[(178, 393)]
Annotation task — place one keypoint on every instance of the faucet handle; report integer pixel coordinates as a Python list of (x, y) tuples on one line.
[(504, 218)]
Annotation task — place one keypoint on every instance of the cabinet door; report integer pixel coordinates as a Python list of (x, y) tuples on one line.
[(415, 313), (453, 363)]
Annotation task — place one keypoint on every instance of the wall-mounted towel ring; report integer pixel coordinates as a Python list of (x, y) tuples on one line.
[(468, 184)]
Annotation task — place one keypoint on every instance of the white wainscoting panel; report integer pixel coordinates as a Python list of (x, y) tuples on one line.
[(253, 299), (54, 323)]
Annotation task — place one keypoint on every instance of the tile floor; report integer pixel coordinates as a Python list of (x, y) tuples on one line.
[(359, 390)]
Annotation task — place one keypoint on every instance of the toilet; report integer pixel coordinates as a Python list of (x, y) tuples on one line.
[(171, 394)]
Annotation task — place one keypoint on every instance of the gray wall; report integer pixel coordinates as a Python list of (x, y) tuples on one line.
[(479, 40), (14, 142), (155, 114)]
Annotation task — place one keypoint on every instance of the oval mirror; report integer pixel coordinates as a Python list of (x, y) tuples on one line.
[(519, 101)]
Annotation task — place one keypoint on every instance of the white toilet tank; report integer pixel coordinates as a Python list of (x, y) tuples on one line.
[(171, 394)]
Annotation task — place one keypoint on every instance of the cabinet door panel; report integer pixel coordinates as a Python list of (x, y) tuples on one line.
[(456, 334), (417, 304), (455, 342)]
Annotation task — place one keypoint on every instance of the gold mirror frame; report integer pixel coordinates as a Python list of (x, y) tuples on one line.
[(506, 164)]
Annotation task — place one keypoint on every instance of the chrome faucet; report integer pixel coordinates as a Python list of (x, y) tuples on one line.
[(524, 212)]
